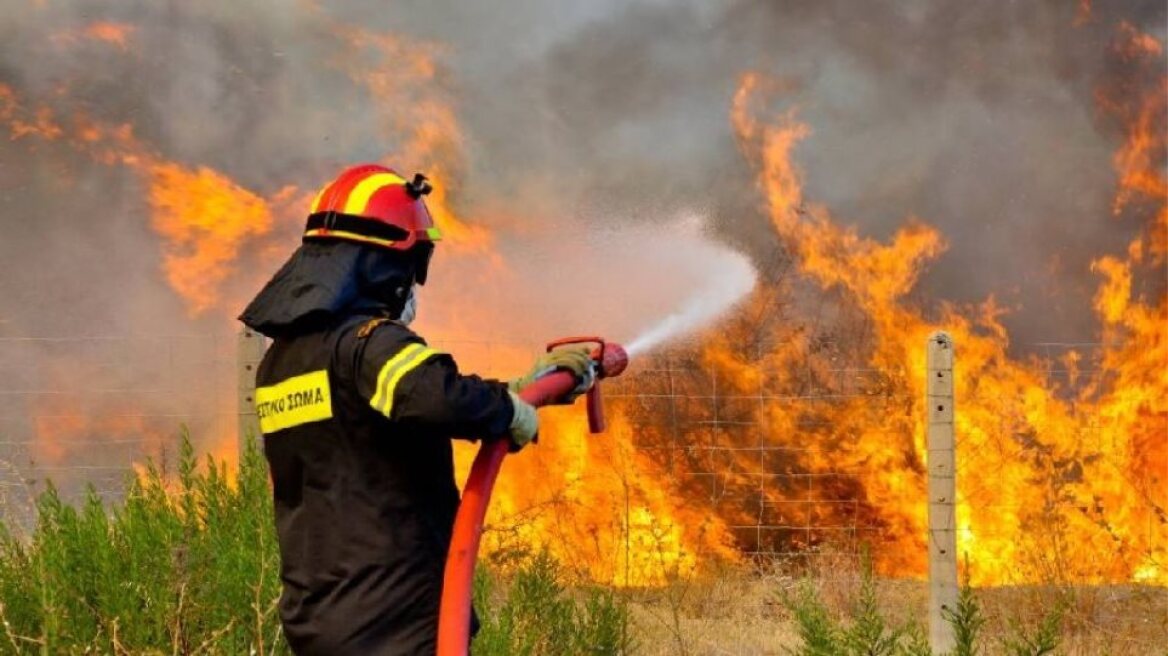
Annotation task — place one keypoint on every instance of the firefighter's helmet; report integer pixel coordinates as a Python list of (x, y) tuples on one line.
[(372, 204)]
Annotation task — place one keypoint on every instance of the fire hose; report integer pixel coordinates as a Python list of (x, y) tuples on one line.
[(458, 581)]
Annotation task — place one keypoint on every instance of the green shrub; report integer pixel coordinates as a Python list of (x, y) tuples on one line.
[(819, 632), (185, 568), (866, 632), (1040, 640), (967, 621), (869, 633), (191, 565), (863, 632), (537, 615)]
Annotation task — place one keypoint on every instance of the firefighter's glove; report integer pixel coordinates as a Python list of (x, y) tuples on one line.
[(524, 424), (576, 359)]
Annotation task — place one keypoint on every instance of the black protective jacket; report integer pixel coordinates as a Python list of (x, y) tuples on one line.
[(357, 419)]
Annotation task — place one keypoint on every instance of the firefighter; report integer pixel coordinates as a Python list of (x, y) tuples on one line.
[(357, 414)]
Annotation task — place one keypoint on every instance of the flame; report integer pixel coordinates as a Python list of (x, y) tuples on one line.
[(403, 77), (22, 123), (68, 427), (841, 455), (1048, 487), (107, 32), (205, 221), (205, 218), (600, 506), (117, 34), (1136, 100)]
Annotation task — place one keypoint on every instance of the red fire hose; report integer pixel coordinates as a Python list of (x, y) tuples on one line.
[(458, 581)]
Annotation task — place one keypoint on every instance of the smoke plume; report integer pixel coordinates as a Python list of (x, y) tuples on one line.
[(977, 118)]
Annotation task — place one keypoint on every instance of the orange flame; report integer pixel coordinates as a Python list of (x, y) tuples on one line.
[(404, 78), (23, 123), (627, 524), (1047, 487), (67, 427), (206, 218), (1083, 469), (108, 32), (117, 34), (600, 506), (1137, 101)]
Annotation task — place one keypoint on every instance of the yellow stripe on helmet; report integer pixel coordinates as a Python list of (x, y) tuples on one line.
[(350, 236), (393, 371), (360, 195), (316, 201)]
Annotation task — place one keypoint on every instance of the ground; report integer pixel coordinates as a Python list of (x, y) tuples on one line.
[(740, 612)]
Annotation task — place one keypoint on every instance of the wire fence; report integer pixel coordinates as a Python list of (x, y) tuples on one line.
[(714, 440), (82, 411), (803, 472), (790, 471)]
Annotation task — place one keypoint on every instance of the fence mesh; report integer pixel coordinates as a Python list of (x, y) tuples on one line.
[(713, 440), (82, 410)]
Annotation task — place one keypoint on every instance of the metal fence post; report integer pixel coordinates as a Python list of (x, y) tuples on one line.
[(248, 353), (939, 442)]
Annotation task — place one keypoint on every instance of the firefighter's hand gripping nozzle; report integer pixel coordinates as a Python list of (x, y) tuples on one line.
[(609, 360)]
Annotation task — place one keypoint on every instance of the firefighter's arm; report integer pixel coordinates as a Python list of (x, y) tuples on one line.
[(414, 385), (436, 396)]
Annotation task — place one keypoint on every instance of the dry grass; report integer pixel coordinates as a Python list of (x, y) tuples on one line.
[(1100, 620), (738, 610)]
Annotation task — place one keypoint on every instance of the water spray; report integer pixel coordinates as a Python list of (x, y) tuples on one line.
[(736, 278), (609, 360), (731, 277)]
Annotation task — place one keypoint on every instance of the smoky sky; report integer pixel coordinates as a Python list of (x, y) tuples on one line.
[(978, 118)]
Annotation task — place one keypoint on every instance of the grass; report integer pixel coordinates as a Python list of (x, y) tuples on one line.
[(189, 565), (536, 613), (184, 567), (817, 608), (186, 563)]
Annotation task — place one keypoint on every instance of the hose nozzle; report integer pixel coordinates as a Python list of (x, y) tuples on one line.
[(611, 360)]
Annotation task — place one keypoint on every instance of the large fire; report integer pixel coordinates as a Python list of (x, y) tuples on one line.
[(1048, 483), (1066, 482)]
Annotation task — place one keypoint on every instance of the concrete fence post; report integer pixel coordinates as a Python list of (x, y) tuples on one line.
[(939, 441), (248, 353)]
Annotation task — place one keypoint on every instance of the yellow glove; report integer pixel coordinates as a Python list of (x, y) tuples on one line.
[(524, 424), (576, 359)]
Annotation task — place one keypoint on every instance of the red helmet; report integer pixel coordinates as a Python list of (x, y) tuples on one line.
[(372, 204)]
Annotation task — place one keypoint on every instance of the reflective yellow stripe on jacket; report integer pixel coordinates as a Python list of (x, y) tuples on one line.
[(392, 372)]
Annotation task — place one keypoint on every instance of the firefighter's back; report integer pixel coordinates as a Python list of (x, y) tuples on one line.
[(363, 511)]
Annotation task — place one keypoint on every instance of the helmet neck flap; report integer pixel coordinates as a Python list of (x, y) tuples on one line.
[(325, 282)]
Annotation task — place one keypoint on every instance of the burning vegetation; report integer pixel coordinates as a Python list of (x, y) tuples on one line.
[(796, 425)]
